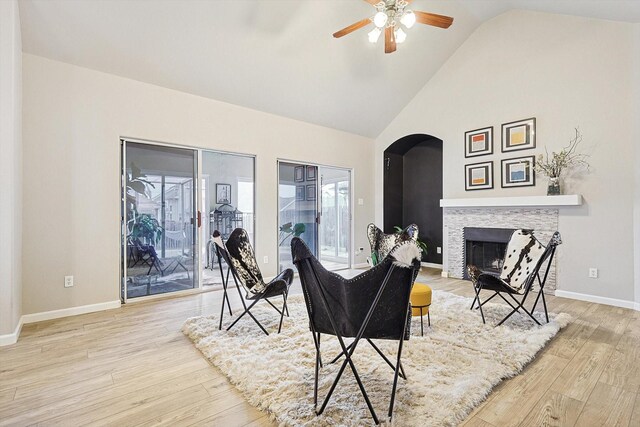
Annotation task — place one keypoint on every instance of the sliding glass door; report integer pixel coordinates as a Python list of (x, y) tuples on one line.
[(314, 203), (334, 229), (227, 183), (159, 220)]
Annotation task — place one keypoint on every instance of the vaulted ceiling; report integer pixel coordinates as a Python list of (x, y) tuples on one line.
[(276, 56)]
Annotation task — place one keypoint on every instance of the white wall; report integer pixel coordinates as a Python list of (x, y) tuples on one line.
[(73, 119), (567, 72), (636, 115), (10, 167)]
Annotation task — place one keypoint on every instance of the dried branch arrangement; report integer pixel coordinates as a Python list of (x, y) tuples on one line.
[(554, 164)]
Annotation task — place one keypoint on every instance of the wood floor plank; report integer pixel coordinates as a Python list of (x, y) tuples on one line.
[(635, 415), (608, 406), (571, 339), (7, 395), (554, 410), (581, 375), (515, 398), (204, 411)]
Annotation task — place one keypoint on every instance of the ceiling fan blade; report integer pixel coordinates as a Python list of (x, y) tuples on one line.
[(433, 19), (351, 28), (389, 40)]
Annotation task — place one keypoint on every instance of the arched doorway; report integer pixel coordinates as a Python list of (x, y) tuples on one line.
[(413, 189)]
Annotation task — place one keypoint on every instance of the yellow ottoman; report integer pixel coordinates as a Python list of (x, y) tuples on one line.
[(420, 302)]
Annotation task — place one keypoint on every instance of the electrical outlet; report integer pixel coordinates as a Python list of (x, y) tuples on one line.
[(593, 273), (361, 249), (439, 250), (265, 260), (68, 281), (360, 202)]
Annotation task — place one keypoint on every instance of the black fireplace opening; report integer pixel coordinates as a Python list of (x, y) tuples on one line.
[(485, 248)]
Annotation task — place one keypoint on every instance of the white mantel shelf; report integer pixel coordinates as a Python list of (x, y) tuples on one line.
[(514, 202)]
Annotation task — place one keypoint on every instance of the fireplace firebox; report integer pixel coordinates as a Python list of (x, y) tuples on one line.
[(485, 248)]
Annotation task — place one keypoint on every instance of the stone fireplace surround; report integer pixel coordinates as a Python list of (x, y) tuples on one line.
[(537, 213)]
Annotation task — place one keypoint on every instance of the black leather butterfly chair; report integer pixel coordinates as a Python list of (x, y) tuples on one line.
[(519, 275), (382, 243), (238, 255), (373, 305)]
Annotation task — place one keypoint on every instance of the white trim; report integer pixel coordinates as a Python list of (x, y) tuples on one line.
[(599, 300), (71, 311), (431, 265), (361, 265), (12, 338), (522, 201), (444, 274)]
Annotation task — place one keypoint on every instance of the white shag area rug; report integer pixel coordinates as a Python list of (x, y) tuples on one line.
[(449, 371)]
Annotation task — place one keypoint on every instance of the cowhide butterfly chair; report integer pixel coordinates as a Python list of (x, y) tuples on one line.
[(239, 256), (382, 243), (373, 305), (524, 259)]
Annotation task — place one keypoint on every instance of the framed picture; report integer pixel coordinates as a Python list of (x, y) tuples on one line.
[(478, 142), (311, 173), (300, 193), (518, 172), (520, 135), (298, 174), (478, 176), (223, 193), (311, 192)]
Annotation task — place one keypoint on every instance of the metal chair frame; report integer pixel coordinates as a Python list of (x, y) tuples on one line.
[(519, 305), (348, 351)]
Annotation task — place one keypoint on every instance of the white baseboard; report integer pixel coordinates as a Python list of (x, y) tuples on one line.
[(71, 311), (360, 265), (597, 299), (444, 274), (431, 265), (11, 338)]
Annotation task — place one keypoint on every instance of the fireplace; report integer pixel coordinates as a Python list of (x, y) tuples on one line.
[(485, 248)]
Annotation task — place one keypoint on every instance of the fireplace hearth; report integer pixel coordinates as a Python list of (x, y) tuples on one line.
[(485, 248)]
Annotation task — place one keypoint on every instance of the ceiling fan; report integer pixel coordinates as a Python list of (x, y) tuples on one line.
[(389, 15)]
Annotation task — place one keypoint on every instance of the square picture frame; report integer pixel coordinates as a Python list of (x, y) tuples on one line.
[(518, 172), (478, 142), (223, 194), (478, 176), (311, 192), (300, 193), (298, 174), (312, 173), (519, 135)]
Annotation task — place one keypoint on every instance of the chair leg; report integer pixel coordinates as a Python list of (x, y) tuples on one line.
[(544, 303), (335, 359), (386, 359), (284, 306), (248, 311), (395, 376), (429, 317), (421, 324), (478, 289), (318, 364)]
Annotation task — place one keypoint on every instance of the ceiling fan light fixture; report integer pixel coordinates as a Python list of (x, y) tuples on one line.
[(408, 19), (401, 36), (374, 35), (380, 19)]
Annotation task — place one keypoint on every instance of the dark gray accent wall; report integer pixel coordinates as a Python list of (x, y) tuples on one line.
[(393, 191), (422, 191), (413, 189)]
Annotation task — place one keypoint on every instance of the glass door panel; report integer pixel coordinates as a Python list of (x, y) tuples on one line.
[(297, 209), (335, 220), (228, 203), (159, 220)]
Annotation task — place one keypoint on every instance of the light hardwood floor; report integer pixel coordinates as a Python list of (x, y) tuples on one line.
[(133, 366)]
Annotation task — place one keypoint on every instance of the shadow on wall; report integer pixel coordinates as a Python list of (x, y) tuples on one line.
[(413, 189)]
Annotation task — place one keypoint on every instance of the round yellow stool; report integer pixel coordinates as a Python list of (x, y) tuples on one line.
[(420, 302)]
